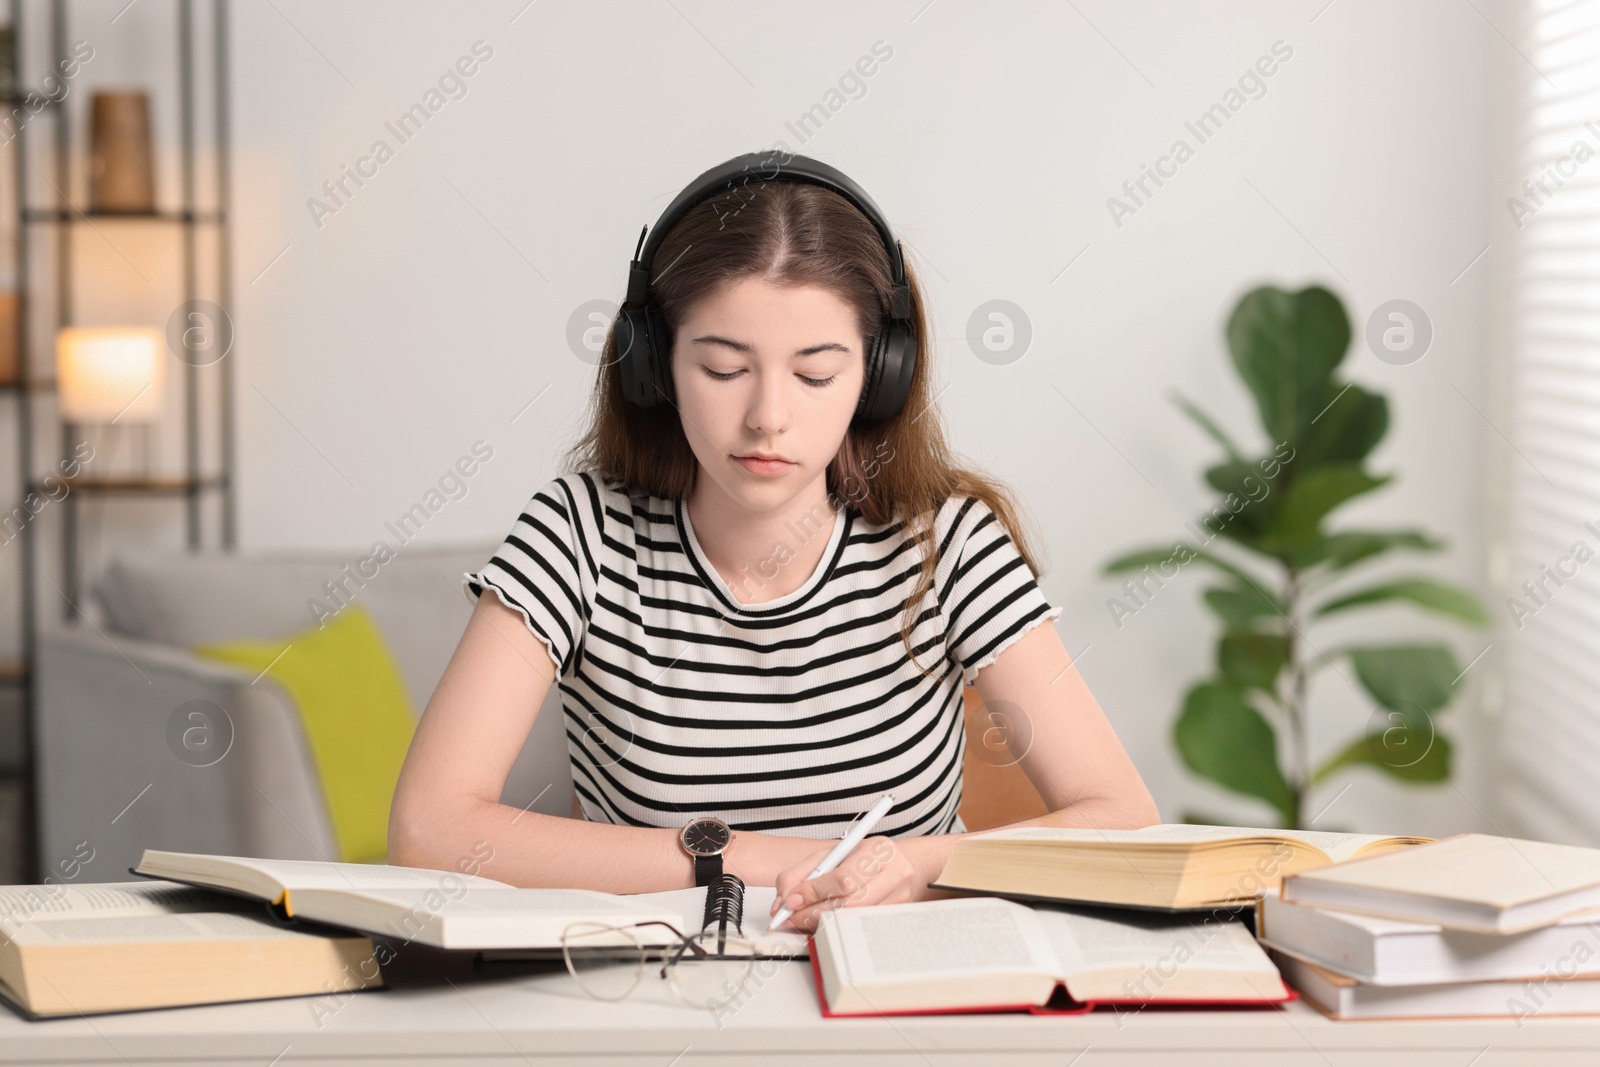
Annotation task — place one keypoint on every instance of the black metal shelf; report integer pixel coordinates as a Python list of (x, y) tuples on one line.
[(67, 215), (138, 486), (45, 223), (27, 387)]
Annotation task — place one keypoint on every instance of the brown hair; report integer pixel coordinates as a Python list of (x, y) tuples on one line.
[(792, 234)]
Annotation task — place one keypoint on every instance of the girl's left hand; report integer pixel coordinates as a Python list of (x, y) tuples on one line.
[(880, 870)]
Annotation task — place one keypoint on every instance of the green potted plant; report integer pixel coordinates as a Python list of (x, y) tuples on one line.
[(1285, 569)]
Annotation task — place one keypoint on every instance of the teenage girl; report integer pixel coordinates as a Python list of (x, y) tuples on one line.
[(760, 587)]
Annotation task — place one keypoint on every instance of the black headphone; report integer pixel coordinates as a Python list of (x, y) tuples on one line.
[(642, 337)]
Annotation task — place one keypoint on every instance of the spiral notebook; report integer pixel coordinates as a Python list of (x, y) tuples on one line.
[(454, 910), (728, 907), (445, 909)]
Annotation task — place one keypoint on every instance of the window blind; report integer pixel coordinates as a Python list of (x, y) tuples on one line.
[(1547, 568)]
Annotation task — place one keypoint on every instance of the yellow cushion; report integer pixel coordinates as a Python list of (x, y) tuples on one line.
[(355, 713)]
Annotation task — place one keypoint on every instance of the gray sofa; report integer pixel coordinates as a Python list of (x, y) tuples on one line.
[(111, 781)]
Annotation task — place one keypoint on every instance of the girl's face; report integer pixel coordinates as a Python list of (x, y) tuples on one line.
[(768, 369)]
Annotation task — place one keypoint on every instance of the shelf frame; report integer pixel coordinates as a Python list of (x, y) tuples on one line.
[(64, 217)]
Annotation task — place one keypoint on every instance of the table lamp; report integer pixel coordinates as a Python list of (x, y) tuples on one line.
[(110, 374)]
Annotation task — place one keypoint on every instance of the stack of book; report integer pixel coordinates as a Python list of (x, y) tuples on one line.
[(1064, 920), (207, 929), (1472, 925), (1362, 927)]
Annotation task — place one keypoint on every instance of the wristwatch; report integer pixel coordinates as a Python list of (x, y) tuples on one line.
[(705, 839)]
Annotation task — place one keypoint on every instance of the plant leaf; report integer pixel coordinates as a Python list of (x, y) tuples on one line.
[(1423, 592), (1410, 759), (1251, 659), (1200, 818), (1346, 428), (1230, 477), (1209, 425), (1285, 346), (1240, 607), (1258, 504), (1140, 559), (1313, 494), (1223, 738), (1407, 678), (1151, 557), (1346, 549)]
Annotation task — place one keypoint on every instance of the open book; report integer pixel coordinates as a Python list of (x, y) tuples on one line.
[(1170, 867), (987, 954), (445, 909), (121, 946)]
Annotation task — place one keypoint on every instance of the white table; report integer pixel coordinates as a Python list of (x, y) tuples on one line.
[(438, 1011)]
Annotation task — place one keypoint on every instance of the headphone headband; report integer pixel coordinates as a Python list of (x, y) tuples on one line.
[(738, 173), (641, 331)]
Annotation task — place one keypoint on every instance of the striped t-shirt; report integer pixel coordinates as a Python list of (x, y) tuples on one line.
[(790, 715)]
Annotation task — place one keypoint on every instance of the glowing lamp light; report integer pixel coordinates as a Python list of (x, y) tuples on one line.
[(109, 372)]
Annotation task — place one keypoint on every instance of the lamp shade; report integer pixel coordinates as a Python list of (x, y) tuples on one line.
[(106, 373)]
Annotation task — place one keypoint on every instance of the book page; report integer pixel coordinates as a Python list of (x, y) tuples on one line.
[(509, 900), (497, 917), (1165, 833), (1138, 943), (21, 904), (1337, 846), (143, 929), (971, 936), (310, 874), (104, 912)]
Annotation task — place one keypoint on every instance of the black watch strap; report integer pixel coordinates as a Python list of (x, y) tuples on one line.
[(707, 869)]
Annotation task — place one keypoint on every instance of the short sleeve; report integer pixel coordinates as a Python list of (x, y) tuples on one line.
[(538, 569), (989, 595)]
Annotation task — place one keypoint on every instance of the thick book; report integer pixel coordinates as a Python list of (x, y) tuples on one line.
[(1379, 951), (986, 954), (125, 946), (1496, 885), (444, 909), (1173, 867), (1341, 997)]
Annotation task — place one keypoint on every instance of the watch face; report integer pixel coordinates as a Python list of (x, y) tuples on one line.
[(705, 837)]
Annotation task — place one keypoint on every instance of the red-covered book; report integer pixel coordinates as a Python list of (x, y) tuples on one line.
[(985, 954)]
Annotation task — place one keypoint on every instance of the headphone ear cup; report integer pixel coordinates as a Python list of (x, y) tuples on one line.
[(895, 355), (903, 354), (872, 371), (660, 352), (633, 359)]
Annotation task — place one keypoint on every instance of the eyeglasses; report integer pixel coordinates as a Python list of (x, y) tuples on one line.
[(608, 961)]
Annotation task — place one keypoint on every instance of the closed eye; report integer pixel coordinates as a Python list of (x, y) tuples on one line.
[(815, 383)]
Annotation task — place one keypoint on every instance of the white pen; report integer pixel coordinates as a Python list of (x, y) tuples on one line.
[(860, 830)]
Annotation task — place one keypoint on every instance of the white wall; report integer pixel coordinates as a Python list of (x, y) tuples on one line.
[(433, 306)]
